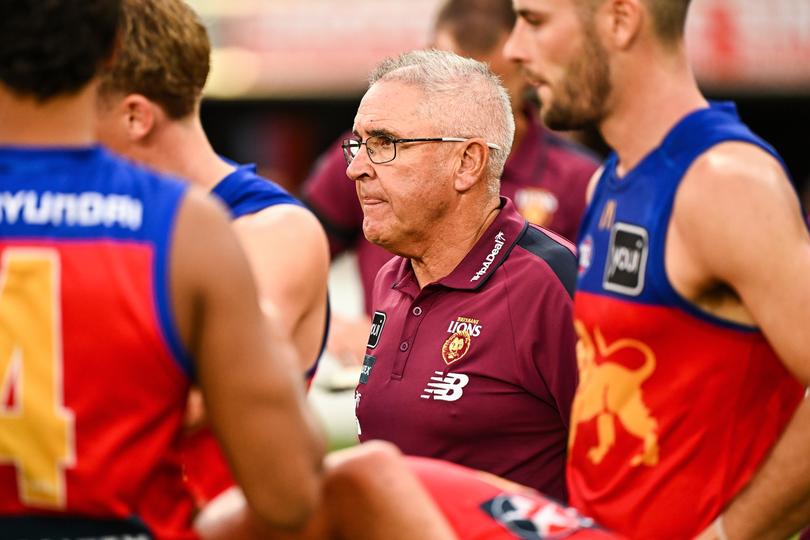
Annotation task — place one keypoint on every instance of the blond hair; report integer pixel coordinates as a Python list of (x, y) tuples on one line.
[(164, 55)]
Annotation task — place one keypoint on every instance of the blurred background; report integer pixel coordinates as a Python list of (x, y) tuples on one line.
[(287, 76)]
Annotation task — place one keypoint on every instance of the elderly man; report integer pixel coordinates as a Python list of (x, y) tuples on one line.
[(690, 410), (492, 385), (471, 352), (545, 175)]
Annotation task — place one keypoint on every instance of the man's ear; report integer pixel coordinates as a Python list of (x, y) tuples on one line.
[(140, 116), (472, 165), (620, 22)]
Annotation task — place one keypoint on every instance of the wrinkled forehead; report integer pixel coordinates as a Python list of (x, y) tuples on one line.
[(392, 108)]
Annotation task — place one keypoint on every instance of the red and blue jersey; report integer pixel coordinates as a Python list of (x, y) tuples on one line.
[(196, 471), (93, 375), (676, 408), (244, 192)]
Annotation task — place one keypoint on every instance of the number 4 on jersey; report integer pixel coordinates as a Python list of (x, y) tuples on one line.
[(36, 430)]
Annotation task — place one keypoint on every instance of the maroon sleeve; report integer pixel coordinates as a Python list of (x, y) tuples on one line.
[(330, 194), (551, 372)]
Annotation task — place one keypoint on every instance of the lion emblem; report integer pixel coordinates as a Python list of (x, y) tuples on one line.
[(455, 347), (609, 391)]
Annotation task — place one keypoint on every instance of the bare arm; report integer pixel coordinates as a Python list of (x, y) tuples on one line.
[(253, 393), (348, 337), (738, 221), (289, 256)]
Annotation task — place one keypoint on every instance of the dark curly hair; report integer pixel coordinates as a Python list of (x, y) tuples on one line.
[(55, 47)]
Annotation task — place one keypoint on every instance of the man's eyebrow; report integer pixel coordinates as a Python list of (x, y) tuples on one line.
[(382, 132), (525, 13)]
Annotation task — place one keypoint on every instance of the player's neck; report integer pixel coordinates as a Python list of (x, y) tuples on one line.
[(184, 151), (647, 104), (67, 121)]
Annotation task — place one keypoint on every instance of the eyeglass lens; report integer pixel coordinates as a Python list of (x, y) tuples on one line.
[(380, 149)]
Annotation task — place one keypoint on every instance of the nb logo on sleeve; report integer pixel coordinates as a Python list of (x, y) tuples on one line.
[(448, 387)]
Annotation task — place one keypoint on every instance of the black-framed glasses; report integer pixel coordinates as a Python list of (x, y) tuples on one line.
[(382, 149)]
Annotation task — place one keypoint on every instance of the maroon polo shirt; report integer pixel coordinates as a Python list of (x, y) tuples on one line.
[(478, 368), (546, 176)]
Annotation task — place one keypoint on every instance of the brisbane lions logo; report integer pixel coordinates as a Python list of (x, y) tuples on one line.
[(461, 331), (455, 347), (608, 390)]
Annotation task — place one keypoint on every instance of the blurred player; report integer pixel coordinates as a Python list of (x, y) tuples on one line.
[(694, 260), (372, 492), (112, 279), (149, 111)]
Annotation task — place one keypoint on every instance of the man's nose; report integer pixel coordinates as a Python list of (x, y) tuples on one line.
[(360, 167)]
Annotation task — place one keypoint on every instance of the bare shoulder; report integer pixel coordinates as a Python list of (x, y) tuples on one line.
[(736, 207), (286, 241), (289, 232), (288, 220), (736, 176)]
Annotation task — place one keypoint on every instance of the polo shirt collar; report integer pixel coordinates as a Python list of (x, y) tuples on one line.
[(482, 260)]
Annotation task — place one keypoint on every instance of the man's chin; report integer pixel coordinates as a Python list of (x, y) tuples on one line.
[(373, 235)]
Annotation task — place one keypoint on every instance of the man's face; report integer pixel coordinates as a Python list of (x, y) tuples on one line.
[(508, 70), (403, 199), (562, 57)]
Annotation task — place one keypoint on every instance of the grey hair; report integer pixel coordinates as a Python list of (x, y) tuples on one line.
[(463, 99)]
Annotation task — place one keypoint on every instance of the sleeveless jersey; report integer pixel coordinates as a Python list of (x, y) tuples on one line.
[(204, 467), (93, 376), (245, 192), (676, 408)]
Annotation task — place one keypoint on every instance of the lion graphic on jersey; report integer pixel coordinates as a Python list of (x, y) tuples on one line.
[(609, 390)]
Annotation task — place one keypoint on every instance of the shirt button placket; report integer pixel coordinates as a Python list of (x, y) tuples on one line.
[(412, 321)]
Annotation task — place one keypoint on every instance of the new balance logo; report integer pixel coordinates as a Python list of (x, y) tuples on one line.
[(446, 388)]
